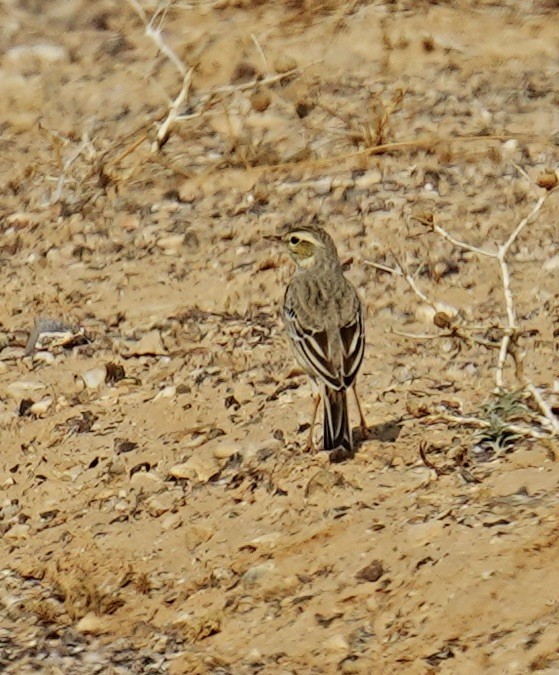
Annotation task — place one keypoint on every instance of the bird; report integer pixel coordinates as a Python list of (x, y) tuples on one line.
[(324, 319)]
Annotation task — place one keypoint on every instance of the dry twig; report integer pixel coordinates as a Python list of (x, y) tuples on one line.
[(508, 344)]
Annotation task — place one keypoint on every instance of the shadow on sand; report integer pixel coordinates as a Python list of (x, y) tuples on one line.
[(387, 432)]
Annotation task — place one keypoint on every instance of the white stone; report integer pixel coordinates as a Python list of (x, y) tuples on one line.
[(95, 377)]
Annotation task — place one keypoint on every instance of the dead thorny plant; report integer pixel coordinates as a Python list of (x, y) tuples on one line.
[(507, 417)]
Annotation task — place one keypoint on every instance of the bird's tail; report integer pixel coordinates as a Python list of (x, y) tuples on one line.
[(337, 431)]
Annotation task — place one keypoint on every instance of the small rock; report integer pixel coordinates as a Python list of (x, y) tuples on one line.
[(256, 573), (262, 450), (226, 449), (425, 313), (336, 644), (552, 264), (95, 377), (145, 481), (196, 468), (284, 63), (266, 541), (150, 344), (424, 533), (547, 180), (172, 521), (40, 407), (167, 392), (91, 624), (44, 357), (220, 574), (323, 186), (323, 482), (197, 534), (369, 178), (19, 532), (189, 191), (44, 52), (372, 572), (7, 418), (260, 100), (22, 387), (171, 244), (157, 505), (371, 603)]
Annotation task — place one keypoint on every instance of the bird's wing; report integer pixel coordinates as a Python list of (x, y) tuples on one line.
[(312, 350), (352, 336)]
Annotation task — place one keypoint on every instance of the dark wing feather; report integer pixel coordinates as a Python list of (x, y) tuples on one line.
[(353, 345), (312, 349)]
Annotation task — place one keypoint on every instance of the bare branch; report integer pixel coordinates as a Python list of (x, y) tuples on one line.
[(164, 128), (508, 345), (520, 429), (414, 287), (156, 36), (383, 268)]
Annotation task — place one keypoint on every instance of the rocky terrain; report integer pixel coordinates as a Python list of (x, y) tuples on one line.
[(158, 512)]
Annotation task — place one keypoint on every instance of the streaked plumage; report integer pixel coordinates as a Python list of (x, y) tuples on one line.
[(324, 320)]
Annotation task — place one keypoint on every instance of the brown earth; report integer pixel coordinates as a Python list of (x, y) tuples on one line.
[(158, 512)]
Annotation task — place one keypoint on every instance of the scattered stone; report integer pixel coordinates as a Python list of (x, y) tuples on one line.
[(260, 100), (323, 481), (171, 521), (146, 481), (42, 52), (372, 572), (266, 541), (254, 574), (424, 533), (18, 532), (150, 344), (547, 180), (227, 449), (91, 624), (7, 418), (171, 244), (189, 191), (197, 468), (95, 377), (157, 505), (41, 407), (284, 63), (552, 264), (368, 179), (197, 534), (167, 392), (22, 387), (336, 643)]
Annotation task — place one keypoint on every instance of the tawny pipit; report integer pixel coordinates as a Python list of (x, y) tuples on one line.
[(324, 320)]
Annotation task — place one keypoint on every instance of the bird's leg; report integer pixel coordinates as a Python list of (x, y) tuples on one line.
[(310, 446), (363, 426)]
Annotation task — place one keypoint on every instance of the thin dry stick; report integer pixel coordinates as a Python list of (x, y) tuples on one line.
[(511, 330), (415, 288), (383, 268), (509, 299), (259, 50), (57, 194), (500, 255), (156, 36), (165, 127), (519, 429)]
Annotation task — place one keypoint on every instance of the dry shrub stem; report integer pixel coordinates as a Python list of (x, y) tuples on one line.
[(508, 345), (165, 128)]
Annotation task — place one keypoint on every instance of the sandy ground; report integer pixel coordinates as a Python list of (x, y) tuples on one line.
[(158, 513)]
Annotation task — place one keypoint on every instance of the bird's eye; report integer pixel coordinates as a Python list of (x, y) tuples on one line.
[(294, 241)]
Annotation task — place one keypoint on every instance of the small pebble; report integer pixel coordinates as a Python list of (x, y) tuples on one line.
[(95, 377)]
